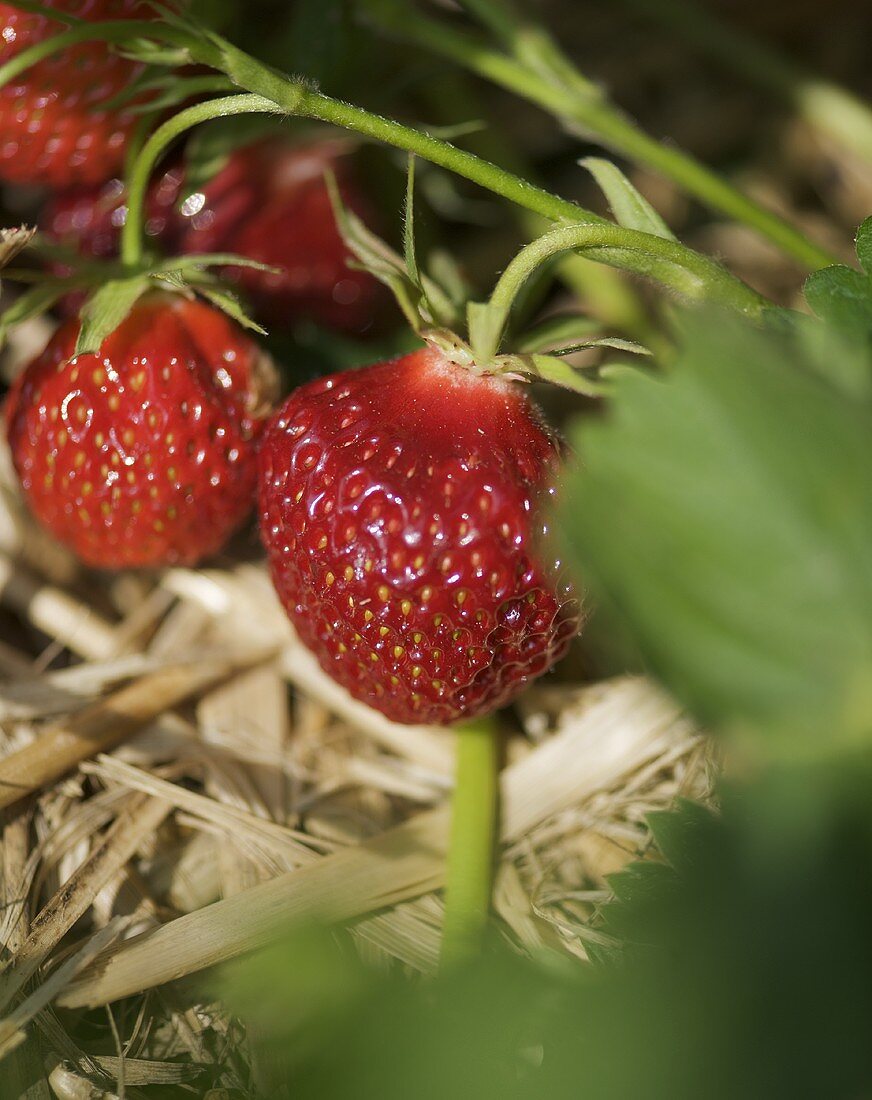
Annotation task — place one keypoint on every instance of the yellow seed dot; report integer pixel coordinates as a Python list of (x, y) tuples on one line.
[(406, 607), (383, 593), (158, 525), (437, 685), (148, 460), (114, 402), (87, 489), (358, 638), (367, 616), (373, 657), (395, 680), (438, 620), (426, 593), (298, 497), (351, 601), (105, 508), (384, 631), (136, 507), (99, 439), (329, 578), (349, 573), (322, 542), (416, 671), (418, 562), (342, 647), (417, 637), (368, 565), (460, 598), (398, 651)]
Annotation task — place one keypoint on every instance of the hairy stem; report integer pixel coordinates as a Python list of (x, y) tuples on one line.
[(687, 273), (538, 71), (469, 874)]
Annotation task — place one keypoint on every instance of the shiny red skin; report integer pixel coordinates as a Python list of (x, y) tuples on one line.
[(142, 455), (400, 509), (53, 128), (271, 204), (268, 202)]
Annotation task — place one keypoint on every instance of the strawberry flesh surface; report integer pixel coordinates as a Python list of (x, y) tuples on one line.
[(400, 506)]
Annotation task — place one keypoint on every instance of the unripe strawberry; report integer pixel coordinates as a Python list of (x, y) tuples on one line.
[(400, 506), (143, 454), (54, 127)]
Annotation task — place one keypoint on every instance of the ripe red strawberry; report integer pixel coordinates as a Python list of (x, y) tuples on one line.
[(53, 127), (143, 454), (399, 508), (268, 202)]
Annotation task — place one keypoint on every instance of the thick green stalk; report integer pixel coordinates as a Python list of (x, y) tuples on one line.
[(469, 873), (687, 273), (157, 145), (538, 72)]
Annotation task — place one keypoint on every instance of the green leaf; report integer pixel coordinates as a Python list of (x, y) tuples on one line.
[(843, 297), (726, 515), (106, 309), (864, 245), (629, 207)]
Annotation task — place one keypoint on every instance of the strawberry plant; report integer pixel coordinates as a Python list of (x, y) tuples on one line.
[(572, 447)]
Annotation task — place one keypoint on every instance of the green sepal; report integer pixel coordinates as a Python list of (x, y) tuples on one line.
[(629, 207), (105, 310), (228, 303), (423, 303), (550, 368)]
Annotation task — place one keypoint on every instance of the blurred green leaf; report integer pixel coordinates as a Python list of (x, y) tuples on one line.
[(726, 513), (864, 246), (843, 296)]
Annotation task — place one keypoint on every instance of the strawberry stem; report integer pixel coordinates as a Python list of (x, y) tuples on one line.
[(157, 145), (469, 874), (688, 273)]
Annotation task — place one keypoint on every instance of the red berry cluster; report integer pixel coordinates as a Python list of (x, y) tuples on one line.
[(401, 505)]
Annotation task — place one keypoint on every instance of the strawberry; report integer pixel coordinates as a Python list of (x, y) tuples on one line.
[(53, 128), (268, 202), (145, 453), (399, 505)]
